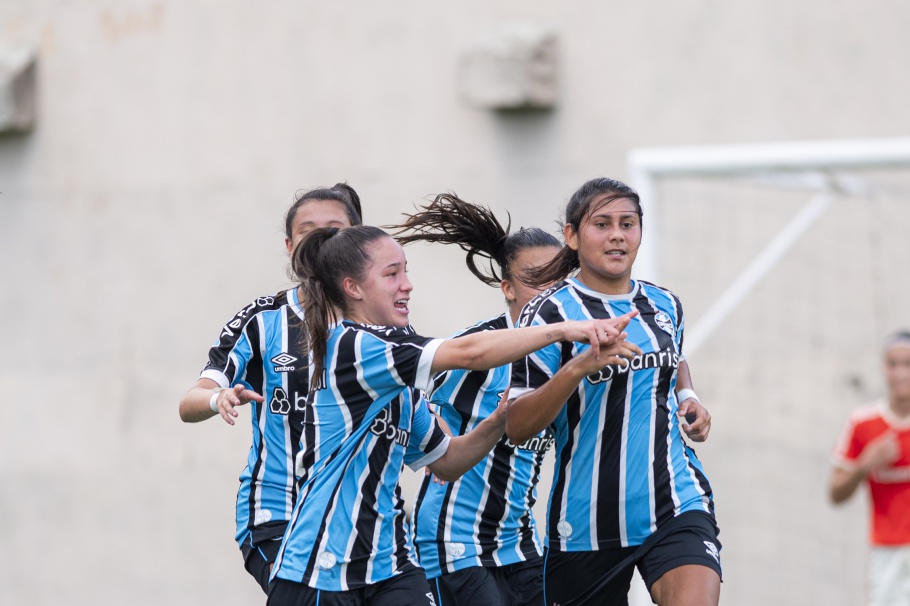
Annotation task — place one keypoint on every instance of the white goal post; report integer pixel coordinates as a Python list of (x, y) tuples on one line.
[(811, 165)]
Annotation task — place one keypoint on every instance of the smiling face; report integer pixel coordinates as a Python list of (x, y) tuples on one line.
[(381, 296), (607, 243), (313, 214)]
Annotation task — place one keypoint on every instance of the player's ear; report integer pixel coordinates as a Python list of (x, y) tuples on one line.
[(571, 236), (507, 291), (352, 289)]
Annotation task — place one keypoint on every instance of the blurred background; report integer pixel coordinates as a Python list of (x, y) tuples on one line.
[(141, 206)]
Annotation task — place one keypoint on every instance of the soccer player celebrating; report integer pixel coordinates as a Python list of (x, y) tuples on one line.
[(348, 541), (259, 355), (476, 537), (875, 449), (627, 491)]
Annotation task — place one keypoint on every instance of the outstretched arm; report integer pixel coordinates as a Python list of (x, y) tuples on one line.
[(195, 404), (489, 349)]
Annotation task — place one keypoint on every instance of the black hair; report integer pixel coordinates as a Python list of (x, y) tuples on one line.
[(320, 264), (340, 192), (450, 220), (578, 208)]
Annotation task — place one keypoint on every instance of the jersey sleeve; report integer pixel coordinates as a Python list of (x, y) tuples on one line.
[(537, 368), (428, 441), (407, 356), (848, 447), (229, 357)]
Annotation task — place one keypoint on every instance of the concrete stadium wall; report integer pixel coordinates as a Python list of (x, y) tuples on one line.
[(145, 208)]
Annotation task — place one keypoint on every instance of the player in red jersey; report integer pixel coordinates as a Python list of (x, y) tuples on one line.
[(875, 449)]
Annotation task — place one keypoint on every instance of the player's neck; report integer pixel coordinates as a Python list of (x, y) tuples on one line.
[(900, 406)]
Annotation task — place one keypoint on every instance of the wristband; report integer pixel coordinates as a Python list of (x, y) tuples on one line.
[(213, 401), (686, 394)]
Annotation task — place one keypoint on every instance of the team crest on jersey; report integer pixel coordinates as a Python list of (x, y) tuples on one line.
[(663, 320), (283, 362)]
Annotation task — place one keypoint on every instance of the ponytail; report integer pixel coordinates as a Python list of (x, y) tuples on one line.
[(320, 264), (451, 220)]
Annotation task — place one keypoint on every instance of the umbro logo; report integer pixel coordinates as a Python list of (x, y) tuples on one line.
[(712, 551), (283, 362)]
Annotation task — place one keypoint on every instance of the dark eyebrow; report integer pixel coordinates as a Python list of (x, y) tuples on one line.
[(623, 215)]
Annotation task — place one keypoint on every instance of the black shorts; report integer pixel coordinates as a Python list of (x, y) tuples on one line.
[(574, 578), (258, 559), (513, 585), (409, 587)]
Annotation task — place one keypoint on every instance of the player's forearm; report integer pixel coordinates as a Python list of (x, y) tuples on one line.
[(683, 376), (491, 349), (844, 483), (531, 413), (468, 450), (195, 404)]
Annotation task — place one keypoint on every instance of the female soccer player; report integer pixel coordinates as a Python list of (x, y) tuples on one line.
[(476, 537), (348, 542), (258, 355), (627, 490)]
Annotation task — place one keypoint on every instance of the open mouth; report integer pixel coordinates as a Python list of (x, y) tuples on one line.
[(401, 306), (615, 253)]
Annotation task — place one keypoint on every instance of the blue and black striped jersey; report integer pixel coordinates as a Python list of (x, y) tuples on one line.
[(349, 528), (261, 348), (484, 518), (622, 466)]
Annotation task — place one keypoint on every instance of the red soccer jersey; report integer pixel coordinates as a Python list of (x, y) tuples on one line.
[(890, 487)]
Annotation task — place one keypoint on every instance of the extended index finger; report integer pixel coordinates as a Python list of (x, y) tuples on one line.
[(620, 322)]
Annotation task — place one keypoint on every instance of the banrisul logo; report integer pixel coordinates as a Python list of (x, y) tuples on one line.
[(656, 359), (284, 362)]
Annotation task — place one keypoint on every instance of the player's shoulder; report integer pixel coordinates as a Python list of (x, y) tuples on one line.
[(386, 334), (544, 302), (650, 289), (259, 305), (495, 323), (871, 412)]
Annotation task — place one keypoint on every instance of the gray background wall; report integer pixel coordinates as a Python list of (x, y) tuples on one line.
[(145, 209)]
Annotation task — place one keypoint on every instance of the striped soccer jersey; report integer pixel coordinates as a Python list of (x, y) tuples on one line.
[(484, 518), (349, 528), (622, 466), (260, 348), (889, 488)]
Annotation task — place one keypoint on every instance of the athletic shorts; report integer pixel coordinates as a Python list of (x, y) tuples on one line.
[(574, 578), (409, 587), (889, 575), (258, 559), (513, 585)]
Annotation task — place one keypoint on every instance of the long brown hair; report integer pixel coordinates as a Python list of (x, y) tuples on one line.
[(491, 247)]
